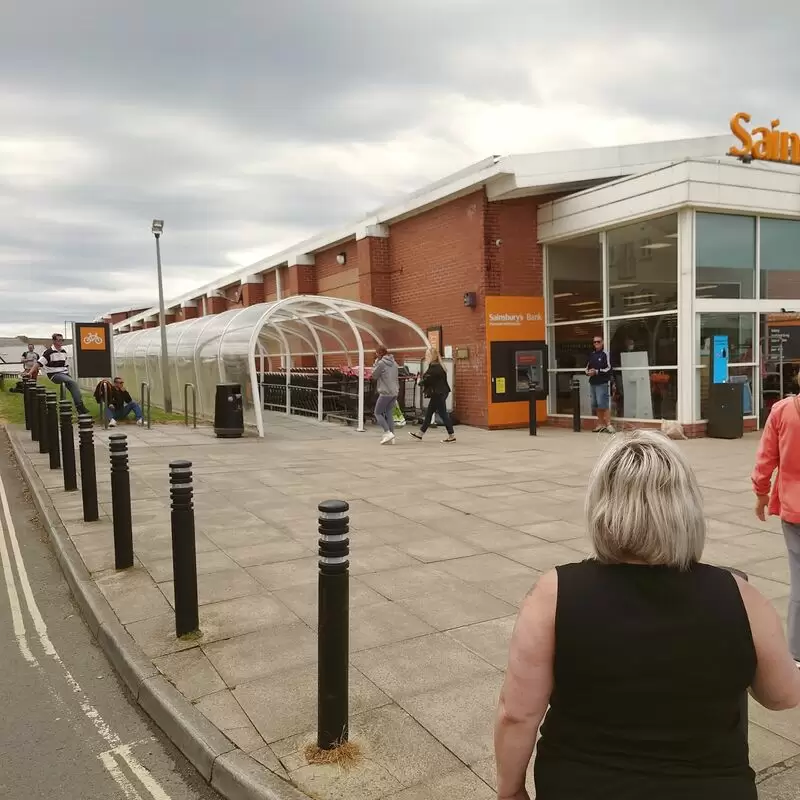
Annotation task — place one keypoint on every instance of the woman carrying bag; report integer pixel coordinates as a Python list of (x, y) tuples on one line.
[(436, 389)]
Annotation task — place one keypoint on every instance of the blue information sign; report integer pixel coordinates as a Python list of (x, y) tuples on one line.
[(719, 359)]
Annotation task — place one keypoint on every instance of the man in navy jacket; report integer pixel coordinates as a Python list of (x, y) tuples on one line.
[(598, 368)]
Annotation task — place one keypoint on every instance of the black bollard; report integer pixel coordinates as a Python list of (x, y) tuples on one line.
[(184, 556), (68, 447), (532, 411), (88, 468), (41, 408), (33, 403), (121, 501), (333, 631), (26, 402), (52, 431), (576, 405)]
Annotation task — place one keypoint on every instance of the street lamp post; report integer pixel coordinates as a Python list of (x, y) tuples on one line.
[(158, 227)]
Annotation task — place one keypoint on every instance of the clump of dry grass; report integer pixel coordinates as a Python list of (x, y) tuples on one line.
[(344, 755)]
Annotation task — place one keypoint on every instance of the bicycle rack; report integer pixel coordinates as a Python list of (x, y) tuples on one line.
[(186, 387), (146, 403)]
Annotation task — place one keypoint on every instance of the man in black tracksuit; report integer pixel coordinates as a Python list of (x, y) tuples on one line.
[(598, 368)]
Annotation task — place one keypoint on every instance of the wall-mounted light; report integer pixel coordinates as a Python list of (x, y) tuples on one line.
[(341, 258), (470, 299), (498, 242)]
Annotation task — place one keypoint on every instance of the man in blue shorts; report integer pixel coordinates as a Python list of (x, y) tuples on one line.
[(598, 368)]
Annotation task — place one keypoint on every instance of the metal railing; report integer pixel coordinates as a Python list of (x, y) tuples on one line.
[(103, 404), (186, 387), (146, 407)]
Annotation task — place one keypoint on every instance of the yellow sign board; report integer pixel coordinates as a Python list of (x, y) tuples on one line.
[(500, 385), (764, 144)]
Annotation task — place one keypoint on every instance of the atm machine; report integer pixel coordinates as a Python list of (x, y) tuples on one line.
[(518, 369)]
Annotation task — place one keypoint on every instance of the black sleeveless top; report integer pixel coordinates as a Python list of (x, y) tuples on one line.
[(650, 673)]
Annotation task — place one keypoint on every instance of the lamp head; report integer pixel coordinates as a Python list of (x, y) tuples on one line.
[(158, 227)]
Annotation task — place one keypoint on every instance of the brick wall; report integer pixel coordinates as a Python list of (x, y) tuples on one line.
[(434, 258), (216, 305), (334, 279), (515, 265), (252, 293), (270, 292), (298, 279)]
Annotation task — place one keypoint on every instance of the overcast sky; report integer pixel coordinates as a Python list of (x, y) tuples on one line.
[(250, 124)]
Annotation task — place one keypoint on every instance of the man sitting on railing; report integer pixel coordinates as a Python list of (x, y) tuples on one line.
[(119, 403)]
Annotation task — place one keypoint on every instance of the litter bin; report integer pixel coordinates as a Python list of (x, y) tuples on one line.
[(725, 411), (228, 411)]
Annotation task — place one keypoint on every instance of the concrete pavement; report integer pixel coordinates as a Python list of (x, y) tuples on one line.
[(445, 543)]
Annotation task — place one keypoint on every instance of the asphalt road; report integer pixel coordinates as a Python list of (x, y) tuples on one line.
[(68, 730)]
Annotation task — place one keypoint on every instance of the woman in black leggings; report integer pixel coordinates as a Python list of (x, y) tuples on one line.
[(436, 388)]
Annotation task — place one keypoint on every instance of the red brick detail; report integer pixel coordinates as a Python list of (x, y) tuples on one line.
[(299, 279), (252, 293), (434, 258), (139, 326), (515, 266), (270, 282), (169, 319), (375, 271), (191, 312), (216, 305), (151, 324), (334, 279)]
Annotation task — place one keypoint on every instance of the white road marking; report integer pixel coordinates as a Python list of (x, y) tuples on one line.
[(142, 774), (110, 763)]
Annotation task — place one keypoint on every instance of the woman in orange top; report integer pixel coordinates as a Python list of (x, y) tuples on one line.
[(780, 449)]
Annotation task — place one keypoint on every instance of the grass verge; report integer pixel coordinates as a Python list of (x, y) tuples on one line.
[(12, 410)]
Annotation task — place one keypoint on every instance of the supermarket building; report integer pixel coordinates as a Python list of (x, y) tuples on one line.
[(658, 247)]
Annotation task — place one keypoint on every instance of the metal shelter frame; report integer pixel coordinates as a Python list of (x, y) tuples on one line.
[(235, 346)]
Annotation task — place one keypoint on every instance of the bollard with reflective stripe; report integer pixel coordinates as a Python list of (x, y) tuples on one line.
[(184, 555), (68, 446), (334, 624), (88, 468), (121, 501), (41, 407)]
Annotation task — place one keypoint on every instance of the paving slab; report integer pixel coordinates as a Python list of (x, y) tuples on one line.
[(442, 554)]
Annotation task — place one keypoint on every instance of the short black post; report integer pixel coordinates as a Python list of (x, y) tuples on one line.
[(52, 431), (121, 501), (184, 556), (88, 468), (576, 405), (68, 446), (41, 407), (33, 410), (532, 411), (333, 632), (26, 402)]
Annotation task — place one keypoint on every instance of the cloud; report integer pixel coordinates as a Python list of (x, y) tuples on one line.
[(251, 125)]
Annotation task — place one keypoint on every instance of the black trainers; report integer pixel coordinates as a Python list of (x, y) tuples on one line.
[(415, 434)]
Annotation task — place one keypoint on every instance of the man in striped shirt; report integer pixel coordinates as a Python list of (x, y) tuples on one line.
[(54, 363)]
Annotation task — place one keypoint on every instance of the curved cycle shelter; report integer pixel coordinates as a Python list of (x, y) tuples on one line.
[(239, 345)]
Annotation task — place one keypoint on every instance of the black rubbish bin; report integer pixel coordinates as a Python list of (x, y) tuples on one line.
[(725, 411), (228, 411)]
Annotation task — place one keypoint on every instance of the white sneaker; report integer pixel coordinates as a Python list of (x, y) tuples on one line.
[(112, 423), (387, 437), (609, 429), (140, 422)]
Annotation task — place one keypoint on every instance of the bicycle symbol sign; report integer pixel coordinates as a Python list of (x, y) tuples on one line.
[(92, 338)]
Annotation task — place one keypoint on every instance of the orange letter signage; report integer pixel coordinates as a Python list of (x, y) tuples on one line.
[(764, 144)]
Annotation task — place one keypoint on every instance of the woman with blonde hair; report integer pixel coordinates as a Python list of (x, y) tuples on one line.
[(643, 653), (436, 389)]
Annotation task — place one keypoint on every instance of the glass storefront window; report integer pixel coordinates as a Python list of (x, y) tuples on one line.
[(571, 344), (575, 275), (645, 393), (739, 330), (780, 259), (726, 255), (643, 267), (642, 342)]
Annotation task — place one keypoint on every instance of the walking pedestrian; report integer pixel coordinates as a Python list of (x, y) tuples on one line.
[(598, 368), (641, 657), (780, 449), (387, 384), (54, 363), (436, 389)]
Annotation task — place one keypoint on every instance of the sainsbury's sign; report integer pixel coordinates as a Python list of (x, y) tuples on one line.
[(764, 144)]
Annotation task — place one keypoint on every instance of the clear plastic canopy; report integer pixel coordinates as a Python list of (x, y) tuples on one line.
[(239, 345)]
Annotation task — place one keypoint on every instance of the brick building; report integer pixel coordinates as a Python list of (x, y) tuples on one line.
[(640, 242)]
